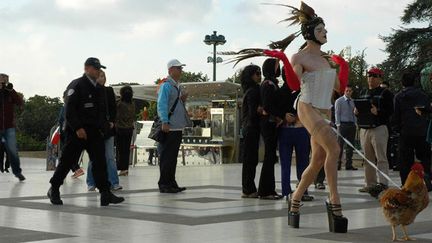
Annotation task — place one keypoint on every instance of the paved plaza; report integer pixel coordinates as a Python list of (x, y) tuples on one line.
[(211, 210)]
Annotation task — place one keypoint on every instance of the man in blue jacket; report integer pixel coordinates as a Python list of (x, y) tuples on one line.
[(171, 98)]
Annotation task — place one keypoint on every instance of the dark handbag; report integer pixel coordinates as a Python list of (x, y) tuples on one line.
[(156, 132)]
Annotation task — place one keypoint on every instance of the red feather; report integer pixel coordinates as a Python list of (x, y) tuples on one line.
[(291, 77), (343, 71)]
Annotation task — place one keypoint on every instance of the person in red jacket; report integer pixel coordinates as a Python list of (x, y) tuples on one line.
[(8, 100)]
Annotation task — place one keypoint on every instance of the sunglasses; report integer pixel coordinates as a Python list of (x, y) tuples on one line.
[(258, 73), (373, 75)]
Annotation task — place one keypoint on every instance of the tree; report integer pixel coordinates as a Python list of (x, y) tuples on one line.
[(357, 75), (409, 49), (125, 83), (189, 77), (40, 113)]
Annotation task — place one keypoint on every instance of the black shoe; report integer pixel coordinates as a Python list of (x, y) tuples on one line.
[(307, 198), (320, 186), (6, 170), (169, 190), (180, 189), (377, 189), (54, 196), (20, 177), (337, 223), (351, 168), (108, 197)]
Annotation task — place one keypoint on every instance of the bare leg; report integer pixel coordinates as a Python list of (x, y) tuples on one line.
[(311, 172), (325, 150)]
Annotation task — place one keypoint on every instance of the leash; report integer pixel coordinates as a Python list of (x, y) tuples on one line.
[(364, 157)]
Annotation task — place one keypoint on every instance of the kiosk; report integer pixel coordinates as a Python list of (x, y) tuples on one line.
[(213, 137)]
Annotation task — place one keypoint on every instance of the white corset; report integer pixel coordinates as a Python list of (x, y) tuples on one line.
[(317, 88)]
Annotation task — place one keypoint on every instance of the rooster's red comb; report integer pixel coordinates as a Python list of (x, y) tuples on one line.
[(417, 166)]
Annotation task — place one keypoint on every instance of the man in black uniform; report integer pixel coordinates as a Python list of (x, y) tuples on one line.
[(85, 124)]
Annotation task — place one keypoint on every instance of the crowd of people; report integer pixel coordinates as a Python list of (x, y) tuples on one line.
[(300, 116)]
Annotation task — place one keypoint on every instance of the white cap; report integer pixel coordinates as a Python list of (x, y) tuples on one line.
[(175, 63)]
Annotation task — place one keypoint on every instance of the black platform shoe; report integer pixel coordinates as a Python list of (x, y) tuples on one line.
[(337, 223), (294, 217)]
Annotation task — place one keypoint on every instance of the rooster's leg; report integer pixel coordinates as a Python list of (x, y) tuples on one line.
[(406, 234), (394, 233)]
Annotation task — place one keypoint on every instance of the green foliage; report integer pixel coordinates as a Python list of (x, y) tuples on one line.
[(189, 77), (125, 83), (420, 10), (152, 110), (40, 113), (27, 143), (409, 49), (357, 75)]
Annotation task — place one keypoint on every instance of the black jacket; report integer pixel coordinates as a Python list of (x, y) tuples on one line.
[(286, 98), (251, 101), (269, 100), (405, 119), (383, 100), (85, 105)]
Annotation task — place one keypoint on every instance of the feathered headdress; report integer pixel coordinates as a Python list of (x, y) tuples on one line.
[(305, 16), (308, 19)]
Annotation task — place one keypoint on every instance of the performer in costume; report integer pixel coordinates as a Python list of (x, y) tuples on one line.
[(318, 76)]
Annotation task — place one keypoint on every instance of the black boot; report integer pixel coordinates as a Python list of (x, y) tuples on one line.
[(108, 197), (293, 216), (337, 222), (54, 196)]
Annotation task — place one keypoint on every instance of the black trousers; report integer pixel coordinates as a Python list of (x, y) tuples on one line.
[(123, 141), (410, 146), (72, 150), (267, 179), (4, 164), (75, 166), (168, 152), (348, 131), (251, 137)]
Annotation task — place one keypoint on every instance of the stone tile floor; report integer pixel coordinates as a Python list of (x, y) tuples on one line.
[(211, 210)]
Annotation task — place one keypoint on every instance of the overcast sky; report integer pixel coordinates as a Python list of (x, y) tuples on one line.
[(44, 43)]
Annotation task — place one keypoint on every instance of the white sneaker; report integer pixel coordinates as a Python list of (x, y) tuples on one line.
[(91, 188), (116, 187)]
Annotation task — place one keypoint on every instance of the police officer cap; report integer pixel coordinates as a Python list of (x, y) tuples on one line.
[(93, 61)]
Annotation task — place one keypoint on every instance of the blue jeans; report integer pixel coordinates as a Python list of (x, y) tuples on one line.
[(10, 144), (111, 165), (290, 139)]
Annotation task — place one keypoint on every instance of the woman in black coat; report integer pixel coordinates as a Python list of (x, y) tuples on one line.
[(250, 78)]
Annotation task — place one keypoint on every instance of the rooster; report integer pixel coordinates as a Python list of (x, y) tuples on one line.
[(401, 206)]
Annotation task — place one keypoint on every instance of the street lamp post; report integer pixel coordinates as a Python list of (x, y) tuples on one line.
[(214, 40)]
